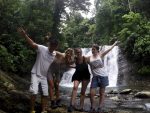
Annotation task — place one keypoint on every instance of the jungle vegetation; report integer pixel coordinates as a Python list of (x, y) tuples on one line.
[(124, 20)]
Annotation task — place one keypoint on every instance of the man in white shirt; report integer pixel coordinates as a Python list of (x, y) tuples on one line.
[(45, 56)]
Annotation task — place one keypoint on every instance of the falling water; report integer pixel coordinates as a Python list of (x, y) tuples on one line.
[(110, 63)]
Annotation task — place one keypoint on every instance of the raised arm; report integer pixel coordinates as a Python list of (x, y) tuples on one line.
[(60, 55), (105, 52), (29, 41)]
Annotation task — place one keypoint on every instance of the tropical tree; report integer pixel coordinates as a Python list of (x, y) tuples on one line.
[(78, 32)]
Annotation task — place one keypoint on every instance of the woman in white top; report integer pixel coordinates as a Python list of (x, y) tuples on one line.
[(100, 76)]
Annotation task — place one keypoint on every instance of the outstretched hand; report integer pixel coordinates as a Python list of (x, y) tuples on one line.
[(117, 42), (21, 31)]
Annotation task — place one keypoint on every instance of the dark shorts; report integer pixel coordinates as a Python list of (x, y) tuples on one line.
[(99, 81)]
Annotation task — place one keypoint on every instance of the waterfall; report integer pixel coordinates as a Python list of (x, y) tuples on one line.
[(66, 78), (110, 63)]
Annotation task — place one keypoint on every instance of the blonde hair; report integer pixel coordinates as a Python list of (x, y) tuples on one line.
[(71, 52)]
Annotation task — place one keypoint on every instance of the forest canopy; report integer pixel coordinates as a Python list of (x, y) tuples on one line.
[(124, 20)]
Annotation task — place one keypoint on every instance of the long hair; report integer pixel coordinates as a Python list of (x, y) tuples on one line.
[(70, 59)]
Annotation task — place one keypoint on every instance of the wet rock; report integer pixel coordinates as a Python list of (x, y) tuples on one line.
[(147, 106), (143, 94), (123, 111), (126, 91), (14, 101), (9, 86), (113, 92), (97, 95), (115, 98), (18, 95), (87, 95)]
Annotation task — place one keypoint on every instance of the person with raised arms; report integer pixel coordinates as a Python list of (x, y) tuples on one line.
[(45, 56), (100, 76)]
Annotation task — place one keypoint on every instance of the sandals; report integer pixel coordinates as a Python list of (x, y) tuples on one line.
[(99, 110), (53, 104), (92, 110), (58, 103), (71, 108)]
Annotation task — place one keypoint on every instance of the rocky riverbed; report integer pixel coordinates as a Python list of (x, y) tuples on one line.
[(124, 101), (14, 98)]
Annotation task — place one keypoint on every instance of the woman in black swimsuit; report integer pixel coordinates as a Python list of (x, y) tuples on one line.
[(81, 75)]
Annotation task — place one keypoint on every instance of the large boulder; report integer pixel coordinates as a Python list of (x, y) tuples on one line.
[(143, 94)]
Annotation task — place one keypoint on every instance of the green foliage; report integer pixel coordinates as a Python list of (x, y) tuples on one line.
[(139, 44), (78, 32), (142, 6), (37, 17), (8, 9), (41, 16), (129, 21), (59, 12), (108, 18), (142, 46), (6, 60), (145, 71), (78, 4), (15, 55)]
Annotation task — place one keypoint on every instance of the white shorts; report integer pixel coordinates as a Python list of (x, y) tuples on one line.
[(36, 81)]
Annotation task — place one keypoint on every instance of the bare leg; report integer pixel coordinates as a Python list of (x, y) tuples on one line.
[(102, 96), (44, 103), (32, 102), (74, 92), (83, 90), (51, 89), (57, 90), (92, 99), (58, 100)]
